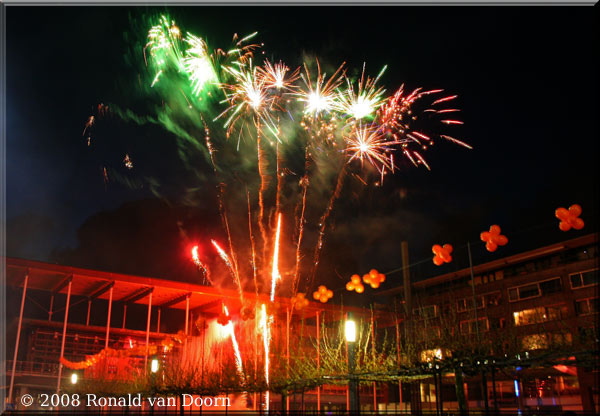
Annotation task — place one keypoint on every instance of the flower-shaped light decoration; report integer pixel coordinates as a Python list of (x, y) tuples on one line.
[(299, 301), (493, 238), (374, 278), (355, 284), (442, 254), (569, 218), (248, 312), (323, 294)]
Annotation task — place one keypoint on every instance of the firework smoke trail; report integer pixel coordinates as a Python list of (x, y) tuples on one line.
[(252, 246), (236, 347), (261, 192), (304, 182), (264, 323), (275, 275), (323, 220)]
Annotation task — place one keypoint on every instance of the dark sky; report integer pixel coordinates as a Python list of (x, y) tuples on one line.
[(527, 85)]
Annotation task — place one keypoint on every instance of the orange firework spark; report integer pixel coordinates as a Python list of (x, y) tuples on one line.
[(369, 143), (274, 76), (264, 323), (275, 276), (236, 347)]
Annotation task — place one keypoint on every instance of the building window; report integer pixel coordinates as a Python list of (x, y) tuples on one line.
[(466, 304), (539, 315), (586, 306), (533, 290), (469, 327), (584, 279), (550, 286), (535, 342), (543, 341), (424, 312)]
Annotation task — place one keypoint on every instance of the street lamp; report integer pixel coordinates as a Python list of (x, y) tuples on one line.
[(74, 378), (154, 365), (350, 332)]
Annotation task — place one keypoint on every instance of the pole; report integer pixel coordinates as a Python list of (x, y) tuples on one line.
[(110, 293), (158, 321), (148, 332), (398, 359), (318, 359), (287, 353), (473, 290), (124, 314), (187, 314), (373, 354), (16, 353), (51, 307), (494, 390), (64, 336), (87, 320), (406, 278)]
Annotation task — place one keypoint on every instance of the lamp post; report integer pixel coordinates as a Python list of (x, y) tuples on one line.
[(350, 332)]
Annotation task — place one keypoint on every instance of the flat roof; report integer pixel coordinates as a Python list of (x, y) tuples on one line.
[(95, 284), (495, 264)]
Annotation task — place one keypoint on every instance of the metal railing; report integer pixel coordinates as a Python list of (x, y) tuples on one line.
[(32, 368)]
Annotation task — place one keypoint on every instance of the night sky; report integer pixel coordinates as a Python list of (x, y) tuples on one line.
[(527, 85)]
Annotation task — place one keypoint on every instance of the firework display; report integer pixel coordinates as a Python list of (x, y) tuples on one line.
[(285, 139)]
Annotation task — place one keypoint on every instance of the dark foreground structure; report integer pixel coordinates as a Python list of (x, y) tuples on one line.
[(531, 310)]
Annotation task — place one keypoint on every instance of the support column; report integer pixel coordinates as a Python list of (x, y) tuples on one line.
[(64, 335), (110, 293), (318, 358), (373, 352), (287, 355), (398, 359), (187, 314), (87, 320), (124, 314), (16, 353), (148, 332), (51, 307), (158, 321)]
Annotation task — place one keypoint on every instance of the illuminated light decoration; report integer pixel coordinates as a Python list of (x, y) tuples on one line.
[(299, 301), (322, 294), (74, 378), (374, 278), (355, 284), (248, 312), (569, 218), (517, 391), (127, 162), (442, 254), (154, 365), (493, 238), (350, 330)]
